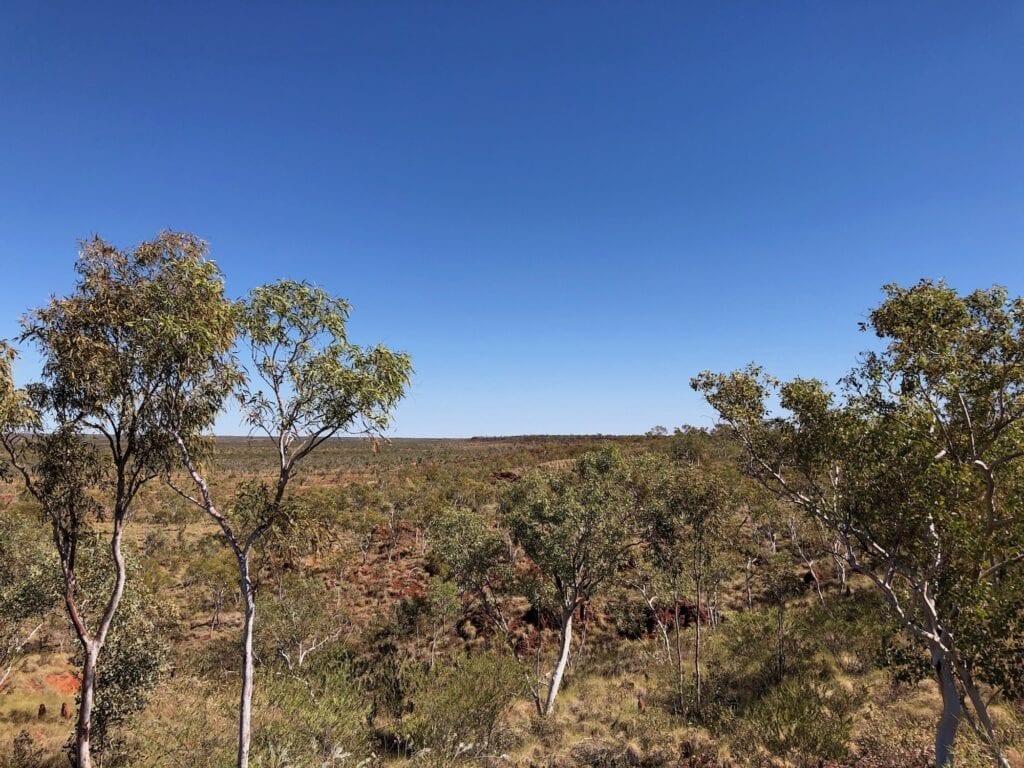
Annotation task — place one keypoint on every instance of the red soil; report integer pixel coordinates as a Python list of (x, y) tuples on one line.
[(64, 683)]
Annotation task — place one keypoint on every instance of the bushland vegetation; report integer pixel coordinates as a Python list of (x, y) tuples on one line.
[(834, 575)]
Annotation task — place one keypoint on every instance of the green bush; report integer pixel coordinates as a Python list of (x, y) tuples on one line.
[(629, 617), (319, 718), (457, 711), (799, 720)]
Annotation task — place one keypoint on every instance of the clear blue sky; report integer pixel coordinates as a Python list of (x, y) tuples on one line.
[(561, 210)]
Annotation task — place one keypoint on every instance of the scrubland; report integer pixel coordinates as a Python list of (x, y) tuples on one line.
[(371, 649)]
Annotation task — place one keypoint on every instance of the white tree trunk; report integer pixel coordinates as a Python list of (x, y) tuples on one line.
[(949, 720), (83, 728), (563, 660), (981, 710), (91, 648), (245, 705)]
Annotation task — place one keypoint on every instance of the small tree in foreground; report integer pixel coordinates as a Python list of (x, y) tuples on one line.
[(577, 529), (89, 435), (686, 536), (918, 469), (305, 384), (477, 556)]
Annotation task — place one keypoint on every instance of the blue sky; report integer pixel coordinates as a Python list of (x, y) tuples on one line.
[(561, 210)]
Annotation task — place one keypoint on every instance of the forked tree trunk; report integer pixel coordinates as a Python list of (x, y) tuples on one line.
[(563, 659), (92, 645)]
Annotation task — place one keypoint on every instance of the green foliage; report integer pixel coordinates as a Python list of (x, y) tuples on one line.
[(804, 721), (457, 711), (685, 523), (318, 718), (215, 572), (119, 351), (576, 527), (390, 676), (918, 468), (25, 754), (476, 555), (297, 622), (29, 585), (300, 347), (443, 602), (629, 617), (745, 657)]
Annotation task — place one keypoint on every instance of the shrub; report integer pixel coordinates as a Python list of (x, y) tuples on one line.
[(630, 618), (24, 753), (800, 721), (457, 711), (319, 718)]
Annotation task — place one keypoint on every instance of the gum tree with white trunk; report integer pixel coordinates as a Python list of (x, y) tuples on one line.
[(916, 466), (578, 529), (687, 537), (90, 434), (303, 384)]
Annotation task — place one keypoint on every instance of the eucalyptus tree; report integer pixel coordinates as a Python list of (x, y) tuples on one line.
[(87, 437), (917, 467), (477, 556), (304, 383), (297, 623), (686, 535), (578, 529)]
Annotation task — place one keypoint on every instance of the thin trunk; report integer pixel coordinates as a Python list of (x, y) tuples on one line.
[(583, 637), (981, 710), (696, 653), (746, 583), (664, 635), (245, 705), (840, 562), (536, 682), (781, 639), (949, 720), (679, 652), (563, 659), (92, 646), (83, 728), (657, 620), (817, 581), (217, 604)]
